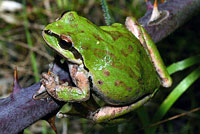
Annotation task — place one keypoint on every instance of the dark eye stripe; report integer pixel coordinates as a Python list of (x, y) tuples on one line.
[(48, 32)]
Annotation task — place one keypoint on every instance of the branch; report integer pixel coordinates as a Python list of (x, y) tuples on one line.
[(19, 110), (180, 11)]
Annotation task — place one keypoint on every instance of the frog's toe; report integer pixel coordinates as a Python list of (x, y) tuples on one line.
[(46, 78), (48, 82), (65, 84), (62, 115), (50, 76), (44, 81), (46, 75), (51, 89)]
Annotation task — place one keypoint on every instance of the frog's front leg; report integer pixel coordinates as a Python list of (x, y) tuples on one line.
[(64, 92), (109, 114), (151, 50)]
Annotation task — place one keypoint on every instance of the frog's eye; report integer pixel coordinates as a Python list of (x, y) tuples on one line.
[(65, 42), (65, 45), (66, 38)]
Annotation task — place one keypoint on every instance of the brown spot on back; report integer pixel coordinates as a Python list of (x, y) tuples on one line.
[(60, 26), (85, 47), (106, 72), (100, 82), (101, 53), (131, 73), (121, 83), (129, 88), (118, 82), (98, 37), (118, 65), (115, 35), (74, 25), (124, 53), (128, 51)]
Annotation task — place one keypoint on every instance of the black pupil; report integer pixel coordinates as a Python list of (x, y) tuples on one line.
[(65, 45)]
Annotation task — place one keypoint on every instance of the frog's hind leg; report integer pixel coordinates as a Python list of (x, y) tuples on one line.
[(65, 92), (151, 50), (112, 114)]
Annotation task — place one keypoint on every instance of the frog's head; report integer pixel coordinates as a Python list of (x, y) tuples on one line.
[(61, 36)]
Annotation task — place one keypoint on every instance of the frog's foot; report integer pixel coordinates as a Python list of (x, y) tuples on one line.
[(64, 92), (50, 81), (62, 115), (109, 113)]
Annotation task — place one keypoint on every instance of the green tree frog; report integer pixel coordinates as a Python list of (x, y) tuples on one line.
[(119, 64)]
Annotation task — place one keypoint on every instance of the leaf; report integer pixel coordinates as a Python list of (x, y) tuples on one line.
[(175, 94)]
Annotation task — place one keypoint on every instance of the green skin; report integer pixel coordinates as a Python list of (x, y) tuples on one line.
[(122, 66)]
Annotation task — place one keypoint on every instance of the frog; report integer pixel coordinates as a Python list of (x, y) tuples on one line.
[(119, 64)]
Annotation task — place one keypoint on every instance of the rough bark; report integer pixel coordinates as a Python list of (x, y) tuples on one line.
[(180, 11), (19, 110)]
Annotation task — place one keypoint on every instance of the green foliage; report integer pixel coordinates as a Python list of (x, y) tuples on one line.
[(104, 6), (180, 88), (30, 44)]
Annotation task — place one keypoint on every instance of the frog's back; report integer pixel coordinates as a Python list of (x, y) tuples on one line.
[(119, 66)]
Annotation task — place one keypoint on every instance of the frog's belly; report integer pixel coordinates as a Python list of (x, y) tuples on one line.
[(124, 90)]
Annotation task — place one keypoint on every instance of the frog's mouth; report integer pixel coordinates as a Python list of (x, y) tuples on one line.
[(63, 45)]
